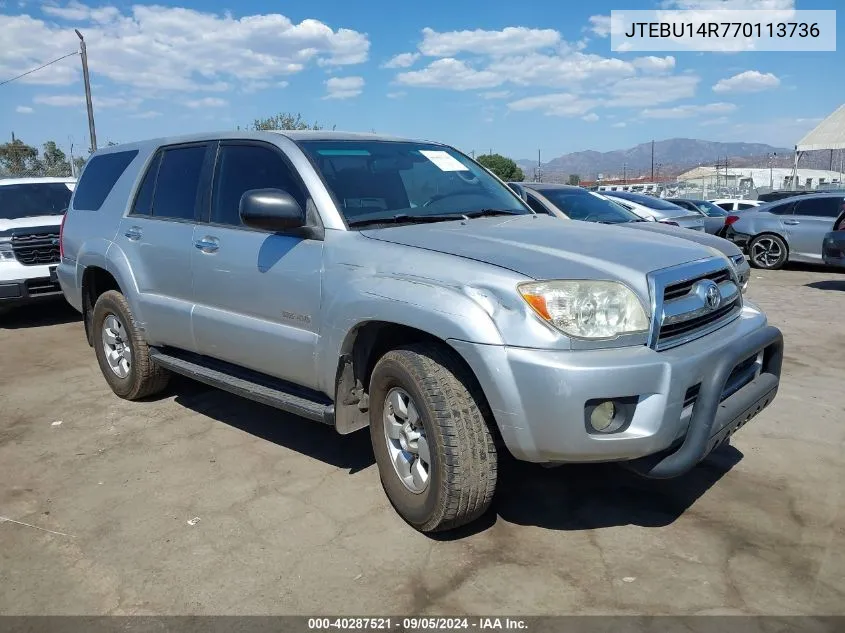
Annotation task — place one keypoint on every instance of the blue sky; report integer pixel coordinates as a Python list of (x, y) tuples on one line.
[(505, 76)]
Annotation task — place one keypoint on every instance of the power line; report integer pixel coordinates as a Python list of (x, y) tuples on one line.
[(29, 72)]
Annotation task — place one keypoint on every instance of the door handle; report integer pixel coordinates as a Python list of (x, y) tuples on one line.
[(133, 233), (208, 244), (791, 222)]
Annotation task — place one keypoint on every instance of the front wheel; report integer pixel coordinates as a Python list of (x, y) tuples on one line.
[(768, 252), (435, 453)]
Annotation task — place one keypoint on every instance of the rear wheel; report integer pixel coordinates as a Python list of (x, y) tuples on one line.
[(768, 251), (121, 350), (435, 453)]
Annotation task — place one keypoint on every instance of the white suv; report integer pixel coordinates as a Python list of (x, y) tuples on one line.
[(31, 211)]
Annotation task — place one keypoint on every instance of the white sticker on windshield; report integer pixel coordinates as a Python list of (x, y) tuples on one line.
[(443, 160)]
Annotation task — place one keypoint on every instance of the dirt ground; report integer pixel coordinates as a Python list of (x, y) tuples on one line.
[(202, 503)]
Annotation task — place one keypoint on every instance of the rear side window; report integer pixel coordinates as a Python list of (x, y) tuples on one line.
[(782, 209), (536, 206), (727, 206), (144, 200), (744, 205), (177, 185), (819, 207), (98, 179), (244, 167)]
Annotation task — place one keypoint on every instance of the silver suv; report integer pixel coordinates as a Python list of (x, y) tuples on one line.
[(358, 281)]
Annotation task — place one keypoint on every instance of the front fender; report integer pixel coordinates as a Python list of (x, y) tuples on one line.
[(440, 310)]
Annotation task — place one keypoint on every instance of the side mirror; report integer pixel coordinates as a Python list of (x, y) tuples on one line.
[(271, 210)]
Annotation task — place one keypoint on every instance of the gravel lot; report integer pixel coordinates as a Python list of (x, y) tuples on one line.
[(200, 502)]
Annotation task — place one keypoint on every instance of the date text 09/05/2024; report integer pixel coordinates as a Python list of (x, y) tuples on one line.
[(412, 624), (723, 29)]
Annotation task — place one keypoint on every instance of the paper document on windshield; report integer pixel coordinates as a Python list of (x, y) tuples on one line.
[(443, 160)]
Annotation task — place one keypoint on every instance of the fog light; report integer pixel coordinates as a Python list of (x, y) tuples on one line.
[(602, 416)]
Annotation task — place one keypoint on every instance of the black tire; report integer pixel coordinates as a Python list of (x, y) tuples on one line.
[(765, 264), (463, 468), (144, 378)]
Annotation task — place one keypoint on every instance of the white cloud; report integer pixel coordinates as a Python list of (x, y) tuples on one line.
[(149, 114), (600, 25), (748, 81), (561, 104), (402, 60), (687, 111), (510, 40), (158, 48), (560, 70), (649, 91), (719, 120), (592, 117), (344, 87), (206, 102), (396, 95), (72, 100), (24, 110), (652, 64), (619, 124), (496, 94), (450, 73)]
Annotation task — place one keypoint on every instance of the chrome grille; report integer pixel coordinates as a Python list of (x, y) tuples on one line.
[(681, 311), (34, 249)]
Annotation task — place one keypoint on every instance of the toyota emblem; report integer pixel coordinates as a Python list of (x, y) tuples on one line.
[(709, 293)]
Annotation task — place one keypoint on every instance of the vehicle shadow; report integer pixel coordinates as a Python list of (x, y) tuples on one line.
[(570, 497), (828, 284), (594, 496), (39, 315), (352, 452)]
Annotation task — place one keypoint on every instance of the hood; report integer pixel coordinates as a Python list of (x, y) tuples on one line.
[(32, 222), (544, 247), (726, 247)]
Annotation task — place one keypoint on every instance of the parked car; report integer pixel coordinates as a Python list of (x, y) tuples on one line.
[(714, 216), (774, 196), (31, 210), (734, 205), (833, 246), (359, 280), (575, 203), (789, 230), (651, 208)]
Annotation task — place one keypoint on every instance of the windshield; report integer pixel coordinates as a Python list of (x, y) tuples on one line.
[(580, 204), (709, 208), (31, 199), (374, 180), (649, 201)]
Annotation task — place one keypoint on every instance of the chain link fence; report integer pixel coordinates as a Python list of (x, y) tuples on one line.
[(20, 160)]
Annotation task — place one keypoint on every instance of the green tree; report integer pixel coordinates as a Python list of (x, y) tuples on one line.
[(285, 121), (503, 167), (16, 157), (54, 161), (574, 179)]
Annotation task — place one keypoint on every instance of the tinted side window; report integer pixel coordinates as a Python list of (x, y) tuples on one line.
[(536, 206), (727, 206), (178, 181), (144, 200), (98, 179), (244, 167), (819, 207), (782, 209), (744, 205)]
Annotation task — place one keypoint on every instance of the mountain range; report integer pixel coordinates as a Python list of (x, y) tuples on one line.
[(671, 157)]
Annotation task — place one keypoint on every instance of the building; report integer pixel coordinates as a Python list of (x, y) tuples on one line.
[(758, 178)]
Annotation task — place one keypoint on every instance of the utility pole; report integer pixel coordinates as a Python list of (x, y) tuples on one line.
[(652, 160), (771, 170), (537, 175), (84, 54), (624, 173)]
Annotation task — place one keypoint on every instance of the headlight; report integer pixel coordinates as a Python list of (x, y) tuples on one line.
[(6, 250), (586, 309)]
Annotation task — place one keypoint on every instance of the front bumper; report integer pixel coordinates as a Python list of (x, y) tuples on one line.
[(833, 249), (539, 397), (16, 292)]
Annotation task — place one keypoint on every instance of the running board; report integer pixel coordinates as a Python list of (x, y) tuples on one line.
[(247, 384)]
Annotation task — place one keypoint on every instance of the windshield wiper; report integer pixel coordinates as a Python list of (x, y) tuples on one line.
[(482, 213), (404, 218)]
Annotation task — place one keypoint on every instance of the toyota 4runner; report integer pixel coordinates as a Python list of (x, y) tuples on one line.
[(360, 280)]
